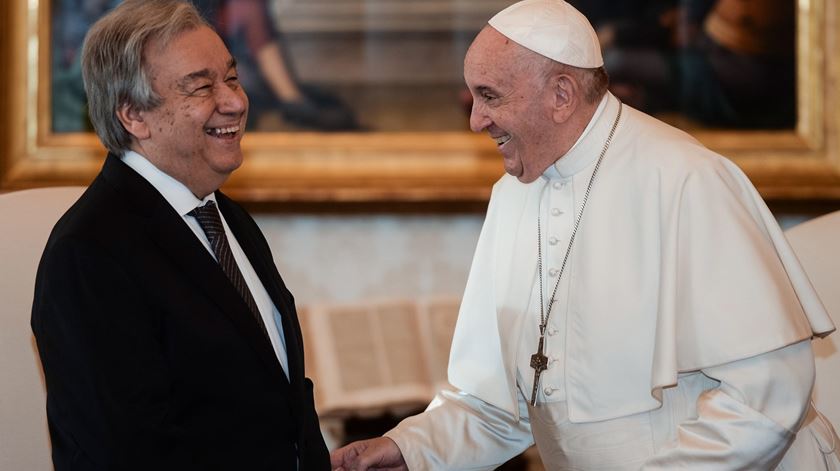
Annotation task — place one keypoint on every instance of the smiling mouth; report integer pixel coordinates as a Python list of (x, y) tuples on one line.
[(226, 132), (501, 140)]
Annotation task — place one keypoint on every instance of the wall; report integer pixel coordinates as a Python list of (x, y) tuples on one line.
[(357, 258), (372, 257)]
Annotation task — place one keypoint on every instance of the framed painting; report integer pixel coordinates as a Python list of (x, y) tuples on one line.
[(370, 105)]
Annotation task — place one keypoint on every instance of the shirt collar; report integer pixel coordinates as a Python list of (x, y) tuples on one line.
[(176, 193)]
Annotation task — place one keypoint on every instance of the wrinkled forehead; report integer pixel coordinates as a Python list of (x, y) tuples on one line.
[(193, 54), (490, 44), (493, 50)]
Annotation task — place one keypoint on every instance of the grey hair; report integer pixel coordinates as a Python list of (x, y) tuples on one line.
[(113, 69), (594, 82)]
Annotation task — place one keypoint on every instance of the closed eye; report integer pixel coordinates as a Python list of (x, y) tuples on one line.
[(486, 93), (232, 82), (199, 88)]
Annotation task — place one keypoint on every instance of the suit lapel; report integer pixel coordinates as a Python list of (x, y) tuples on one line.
[(168, 230), (263, 263), (259, 254)]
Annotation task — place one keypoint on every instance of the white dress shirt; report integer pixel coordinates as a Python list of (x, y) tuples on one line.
[(183, 201)]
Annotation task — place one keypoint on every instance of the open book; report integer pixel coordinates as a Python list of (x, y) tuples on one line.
[(377, 355)]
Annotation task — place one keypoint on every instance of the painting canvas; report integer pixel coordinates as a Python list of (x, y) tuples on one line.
[(363, 100), (712, 63), (323, 65)]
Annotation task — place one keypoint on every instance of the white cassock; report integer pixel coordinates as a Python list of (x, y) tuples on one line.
[(680, 338)]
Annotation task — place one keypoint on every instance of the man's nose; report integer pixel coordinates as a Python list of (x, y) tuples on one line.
[(478, 118), (232, 100)]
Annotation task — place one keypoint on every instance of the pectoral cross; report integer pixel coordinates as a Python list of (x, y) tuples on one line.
[(539, 362)]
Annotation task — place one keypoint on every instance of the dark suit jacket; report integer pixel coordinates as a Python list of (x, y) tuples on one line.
[(151, 358)]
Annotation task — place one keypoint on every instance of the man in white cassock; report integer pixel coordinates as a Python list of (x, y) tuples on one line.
[(632, 303)]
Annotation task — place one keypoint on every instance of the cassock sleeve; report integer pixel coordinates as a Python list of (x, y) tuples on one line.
[(460, 431), (749, 421), (107, 378)]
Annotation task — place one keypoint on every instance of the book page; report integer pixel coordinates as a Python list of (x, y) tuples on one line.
[(366, 356)]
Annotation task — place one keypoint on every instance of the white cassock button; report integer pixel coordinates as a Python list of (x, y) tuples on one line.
[(556, 211), (553, 240), (548, 390), (557, 185), (553, 272)]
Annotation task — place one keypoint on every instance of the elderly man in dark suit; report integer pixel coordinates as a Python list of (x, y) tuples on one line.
[(168, 339)]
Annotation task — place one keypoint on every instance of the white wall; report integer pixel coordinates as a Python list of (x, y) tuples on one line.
[(358, 258)]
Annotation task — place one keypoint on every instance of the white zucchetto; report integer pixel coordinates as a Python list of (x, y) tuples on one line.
[(551, 28)]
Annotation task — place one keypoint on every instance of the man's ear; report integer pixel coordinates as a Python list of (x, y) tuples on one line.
[(565, 94), (133, 121)]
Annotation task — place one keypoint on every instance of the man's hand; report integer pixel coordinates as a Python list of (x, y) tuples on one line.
[(377, 454)]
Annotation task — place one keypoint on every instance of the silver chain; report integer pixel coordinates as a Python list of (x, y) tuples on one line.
[(546, 312)]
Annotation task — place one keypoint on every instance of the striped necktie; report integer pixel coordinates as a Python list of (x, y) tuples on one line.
[(211, 223)]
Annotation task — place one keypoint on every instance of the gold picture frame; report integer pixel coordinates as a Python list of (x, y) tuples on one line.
[(441, 167)]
